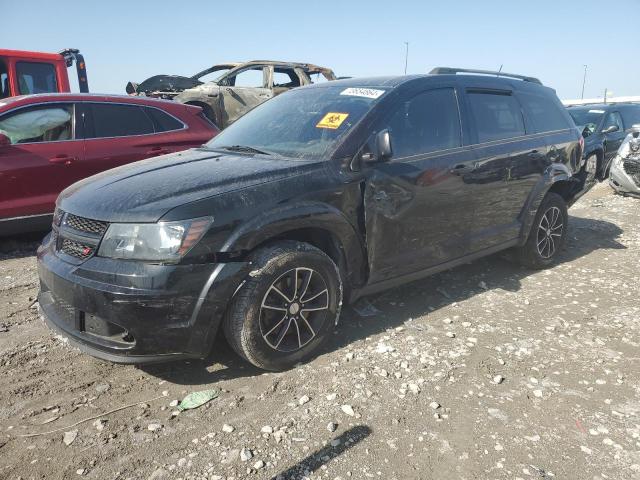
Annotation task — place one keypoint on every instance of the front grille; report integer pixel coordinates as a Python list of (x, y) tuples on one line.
[(632, 167), (76, 249), (85, 225)]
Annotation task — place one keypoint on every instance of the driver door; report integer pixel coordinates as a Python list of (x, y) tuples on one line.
[(418, 208), (244, 90), (614, 139)]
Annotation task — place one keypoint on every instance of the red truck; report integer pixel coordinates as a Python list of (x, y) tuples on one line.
[(23, 73)]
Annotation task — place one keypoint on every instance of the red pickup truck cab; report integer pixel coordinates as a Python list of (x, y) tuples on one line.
[(49, 141), (24, 73)]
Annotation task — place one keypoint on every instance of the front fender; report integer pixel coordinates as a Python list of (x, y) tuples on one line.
[(554, 173), (306, 215)]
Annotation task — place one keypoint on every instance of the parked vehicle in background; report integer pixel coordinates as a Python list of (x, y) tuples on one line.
[(25, 73), (322, 195), (231, 94), (604, 127), (49, 141), (625, 168)]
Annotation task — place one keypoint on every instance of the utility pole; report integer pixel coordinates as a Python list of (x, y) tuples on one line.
[(584, 79), (605, 95), (406, 57)]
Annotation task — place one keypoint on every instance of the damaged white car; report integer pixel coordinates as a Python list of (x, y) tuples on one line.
[(625, 169)]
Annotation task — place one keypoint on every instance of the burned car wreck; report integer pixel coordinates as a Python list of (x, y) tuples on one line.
[(234, 89), (625, 169)]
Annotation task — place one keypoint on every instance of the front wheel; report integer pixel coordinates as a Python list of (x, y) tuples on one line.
[(287, 306), (547, 235)]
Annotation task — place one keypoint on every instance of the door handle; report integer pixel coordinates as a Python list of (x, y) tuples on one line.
[(62, 159), (158, 151)]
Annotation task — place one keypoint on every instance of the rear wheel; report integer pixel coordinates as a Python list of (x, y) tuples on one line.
[(287, 306), (547, 235)]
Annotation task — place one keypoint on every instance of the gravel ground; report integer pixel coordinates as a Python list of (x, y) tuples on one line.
[(485, 371)]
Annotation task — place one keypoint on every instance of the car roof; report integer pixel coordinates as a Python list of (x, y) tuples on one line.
[(83, 97)]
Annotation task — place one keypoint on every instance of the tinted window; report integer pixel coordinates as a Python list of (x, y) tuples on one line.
[(162, 121), (119, 121), (426, 123), (497, 116), (631, 116), (613, 119), (36, 77), (545, 112), (4, 80), (590, 117), (38, 124)]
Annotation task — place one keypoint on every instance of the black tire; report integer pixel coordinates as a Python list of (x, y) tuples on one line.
[(273, 333), (548, 234)]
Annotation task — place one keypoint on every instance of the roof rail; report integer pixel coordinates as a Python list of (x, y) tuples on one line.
[(453, 71)]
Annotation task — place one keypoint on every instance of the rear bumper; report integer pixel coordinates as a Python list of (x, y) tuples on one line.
[(134, 312)]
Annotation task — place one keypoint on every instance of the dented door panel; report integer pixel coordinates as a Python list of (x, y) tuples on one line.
[(417, 213)]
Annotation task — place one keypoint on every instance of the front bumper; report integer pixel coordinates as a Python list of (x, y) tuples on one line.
[(135, 312), (621, 181)]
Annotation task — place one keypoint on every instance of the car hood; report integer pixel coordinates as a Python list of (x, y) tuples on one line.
[(145, 191), (167, 83)]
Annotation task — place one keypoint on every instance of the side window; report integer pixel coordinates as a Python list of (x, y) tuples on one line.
[(497, 116), (253, 78), (162, 121), (613, 119), (34, 77), (113, 120), (631, 116), (4, 80), (428, 122), (546, 114), (38, 124), (285, 78)]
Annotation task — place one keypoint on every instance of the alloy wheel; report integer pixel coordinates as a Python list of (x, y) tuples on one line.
[(549, 232), (294, 309)]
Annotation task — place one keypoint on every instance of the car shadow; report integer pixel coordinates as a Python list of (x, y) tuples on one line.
[(20, 246), (394, 307)]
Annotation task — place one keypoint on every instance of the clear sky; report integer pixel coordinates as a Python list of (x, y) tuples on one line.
[(132, 40)]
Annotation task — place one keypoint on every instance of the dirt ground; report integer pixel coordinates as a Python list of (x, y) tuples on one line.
[(486, 371)]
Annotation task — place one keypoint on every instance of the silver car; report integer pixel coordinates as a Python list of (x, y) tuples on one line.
[(625, 168)]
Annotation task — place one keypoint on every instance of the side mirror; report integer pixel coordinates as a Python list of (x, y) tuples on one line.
[(131, 88), (611, 129), (383, 146), (4, 140)]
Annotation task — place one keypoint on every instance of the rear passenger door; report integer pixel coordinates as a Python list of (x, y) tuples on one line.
[(418, 210), (510, 163), (117, 134)]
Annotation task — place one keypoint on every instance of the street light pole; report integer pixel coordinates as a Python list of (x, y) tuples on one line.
[(406, 57), (584, 79)]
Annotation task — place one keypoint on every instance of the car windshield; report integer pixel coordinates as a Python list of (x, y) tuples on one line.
[(304, 123), (586, 116)]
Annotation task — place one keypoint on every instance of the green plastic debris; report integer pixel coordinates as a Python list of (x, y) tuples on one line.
[(197, 399)]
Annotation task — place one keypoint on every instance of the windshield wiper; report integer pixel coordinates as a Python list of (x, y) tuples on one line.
[(245, 149)]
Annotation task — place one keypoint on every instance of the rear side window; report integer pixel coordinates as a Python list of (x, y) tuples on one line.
[(497, 115), (428, 122), (38, 124), (35, 77), (631, 116), (113, 120), (162, 121), (4, 80), (545, 112)]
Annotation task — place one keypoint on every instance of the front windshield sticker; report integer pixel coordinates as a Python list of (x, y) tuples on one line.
[(596, 111), (332, 120), (363, 92)]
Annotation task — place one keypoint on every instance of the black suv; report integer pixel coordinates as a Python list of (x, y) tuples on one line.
[(604, 127), (316, 197)]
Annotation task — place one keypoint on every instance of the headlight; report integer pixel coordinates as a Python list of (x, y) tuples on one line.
[(162, 241)]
